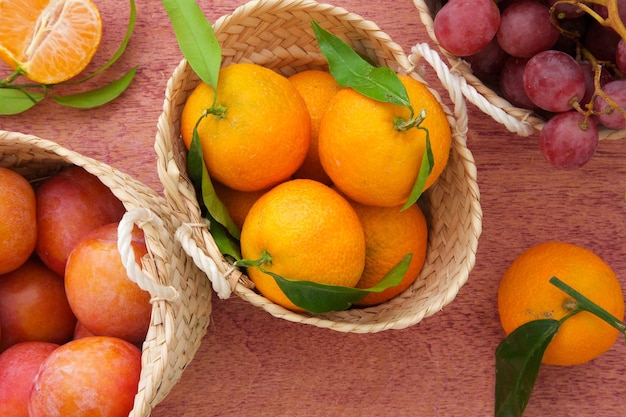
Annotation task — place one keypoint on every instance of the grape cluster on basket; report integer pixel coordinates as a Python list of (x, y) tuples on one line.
[(563, 59)]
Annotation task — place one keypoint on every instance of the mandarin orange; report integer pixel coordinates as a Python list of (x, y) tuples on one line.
[(309, 231), (317, 88), (257, 134), (526, 294), (368, 158), (390, 234)]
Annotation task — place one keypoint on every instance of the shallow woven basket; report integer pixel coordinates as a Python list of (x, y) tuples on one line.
[(278, 35), (521, 121), (181, 302)]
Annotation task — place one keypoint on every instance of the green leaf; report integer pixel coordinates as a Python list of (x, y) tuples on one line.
[(15, 101), (98, 96), (518, 359), (426, 167), (196, 39), (200, 178), (322, 298), (350, 70), (226, 244)]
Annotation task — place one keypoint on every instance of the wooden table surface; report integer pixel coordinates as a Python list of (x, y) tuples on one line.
[(252, 364)]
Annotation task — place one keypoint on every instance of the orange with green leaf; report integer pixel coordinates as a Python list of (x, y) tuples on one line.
[(560, 304), (254, 131)]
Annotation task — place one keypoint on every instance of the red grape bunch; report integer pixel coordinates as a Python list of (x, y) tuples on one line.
[(563, 59)]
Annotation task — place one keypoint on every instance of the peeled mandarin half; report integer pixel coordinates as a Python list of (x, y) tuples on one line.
[(49, 41)]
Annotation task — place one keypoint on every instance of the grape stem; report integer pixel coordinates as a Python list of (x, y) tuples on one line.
[(612, 20)]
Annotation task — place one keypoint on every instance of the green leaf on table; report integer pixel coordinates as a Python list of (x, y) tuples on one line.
[(15, 101), (350, 70), (196, 39), (199, 176), (518, 359), (322, 298), (98, 96)]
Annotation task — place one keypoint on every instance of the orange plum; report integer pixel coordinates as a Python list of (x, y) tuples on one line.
[(18, 222), (99, 291), (91, 376), (18, 366), (33, 306), (69, 205)]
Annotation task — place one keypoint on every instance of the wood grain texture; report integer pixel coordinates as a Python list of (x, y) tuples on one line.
[(251, 364)]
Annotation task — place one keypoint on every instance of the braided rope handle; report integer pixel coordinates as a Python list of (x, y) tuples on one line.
[(449, 80), (448, 77), (220, 284), (140, 216)]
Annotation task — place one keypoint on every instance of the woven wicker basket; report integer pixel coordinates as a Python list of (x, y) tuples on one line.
[(278, 35), (181, 296), (521, 121)]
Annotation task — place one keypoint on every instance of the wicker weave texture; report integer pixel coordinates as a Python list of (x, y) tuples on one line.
[(181, 297), (518, 120), (278, 34)]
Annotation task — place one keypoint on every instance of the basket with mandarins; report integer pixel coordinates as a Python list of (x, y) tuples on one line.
[(553, 66), (314, 171), (82, 218)]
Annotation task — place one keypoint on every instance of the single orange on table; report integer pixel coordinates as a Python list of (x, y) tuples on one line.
[(368, 158), (258, 133), (49, 41), (525, 294), (390, 234), (317, 88), (309, 231)]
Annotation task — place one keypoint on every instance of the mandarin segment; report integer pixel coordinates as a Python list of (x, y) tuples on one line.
[(526, 294), (50, 41), (311, 233)]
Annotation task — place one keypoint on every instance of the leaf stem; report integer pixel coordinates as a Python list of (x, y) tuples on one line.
[(583, 303), (11, 78), (264, 259), (404, 125)]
